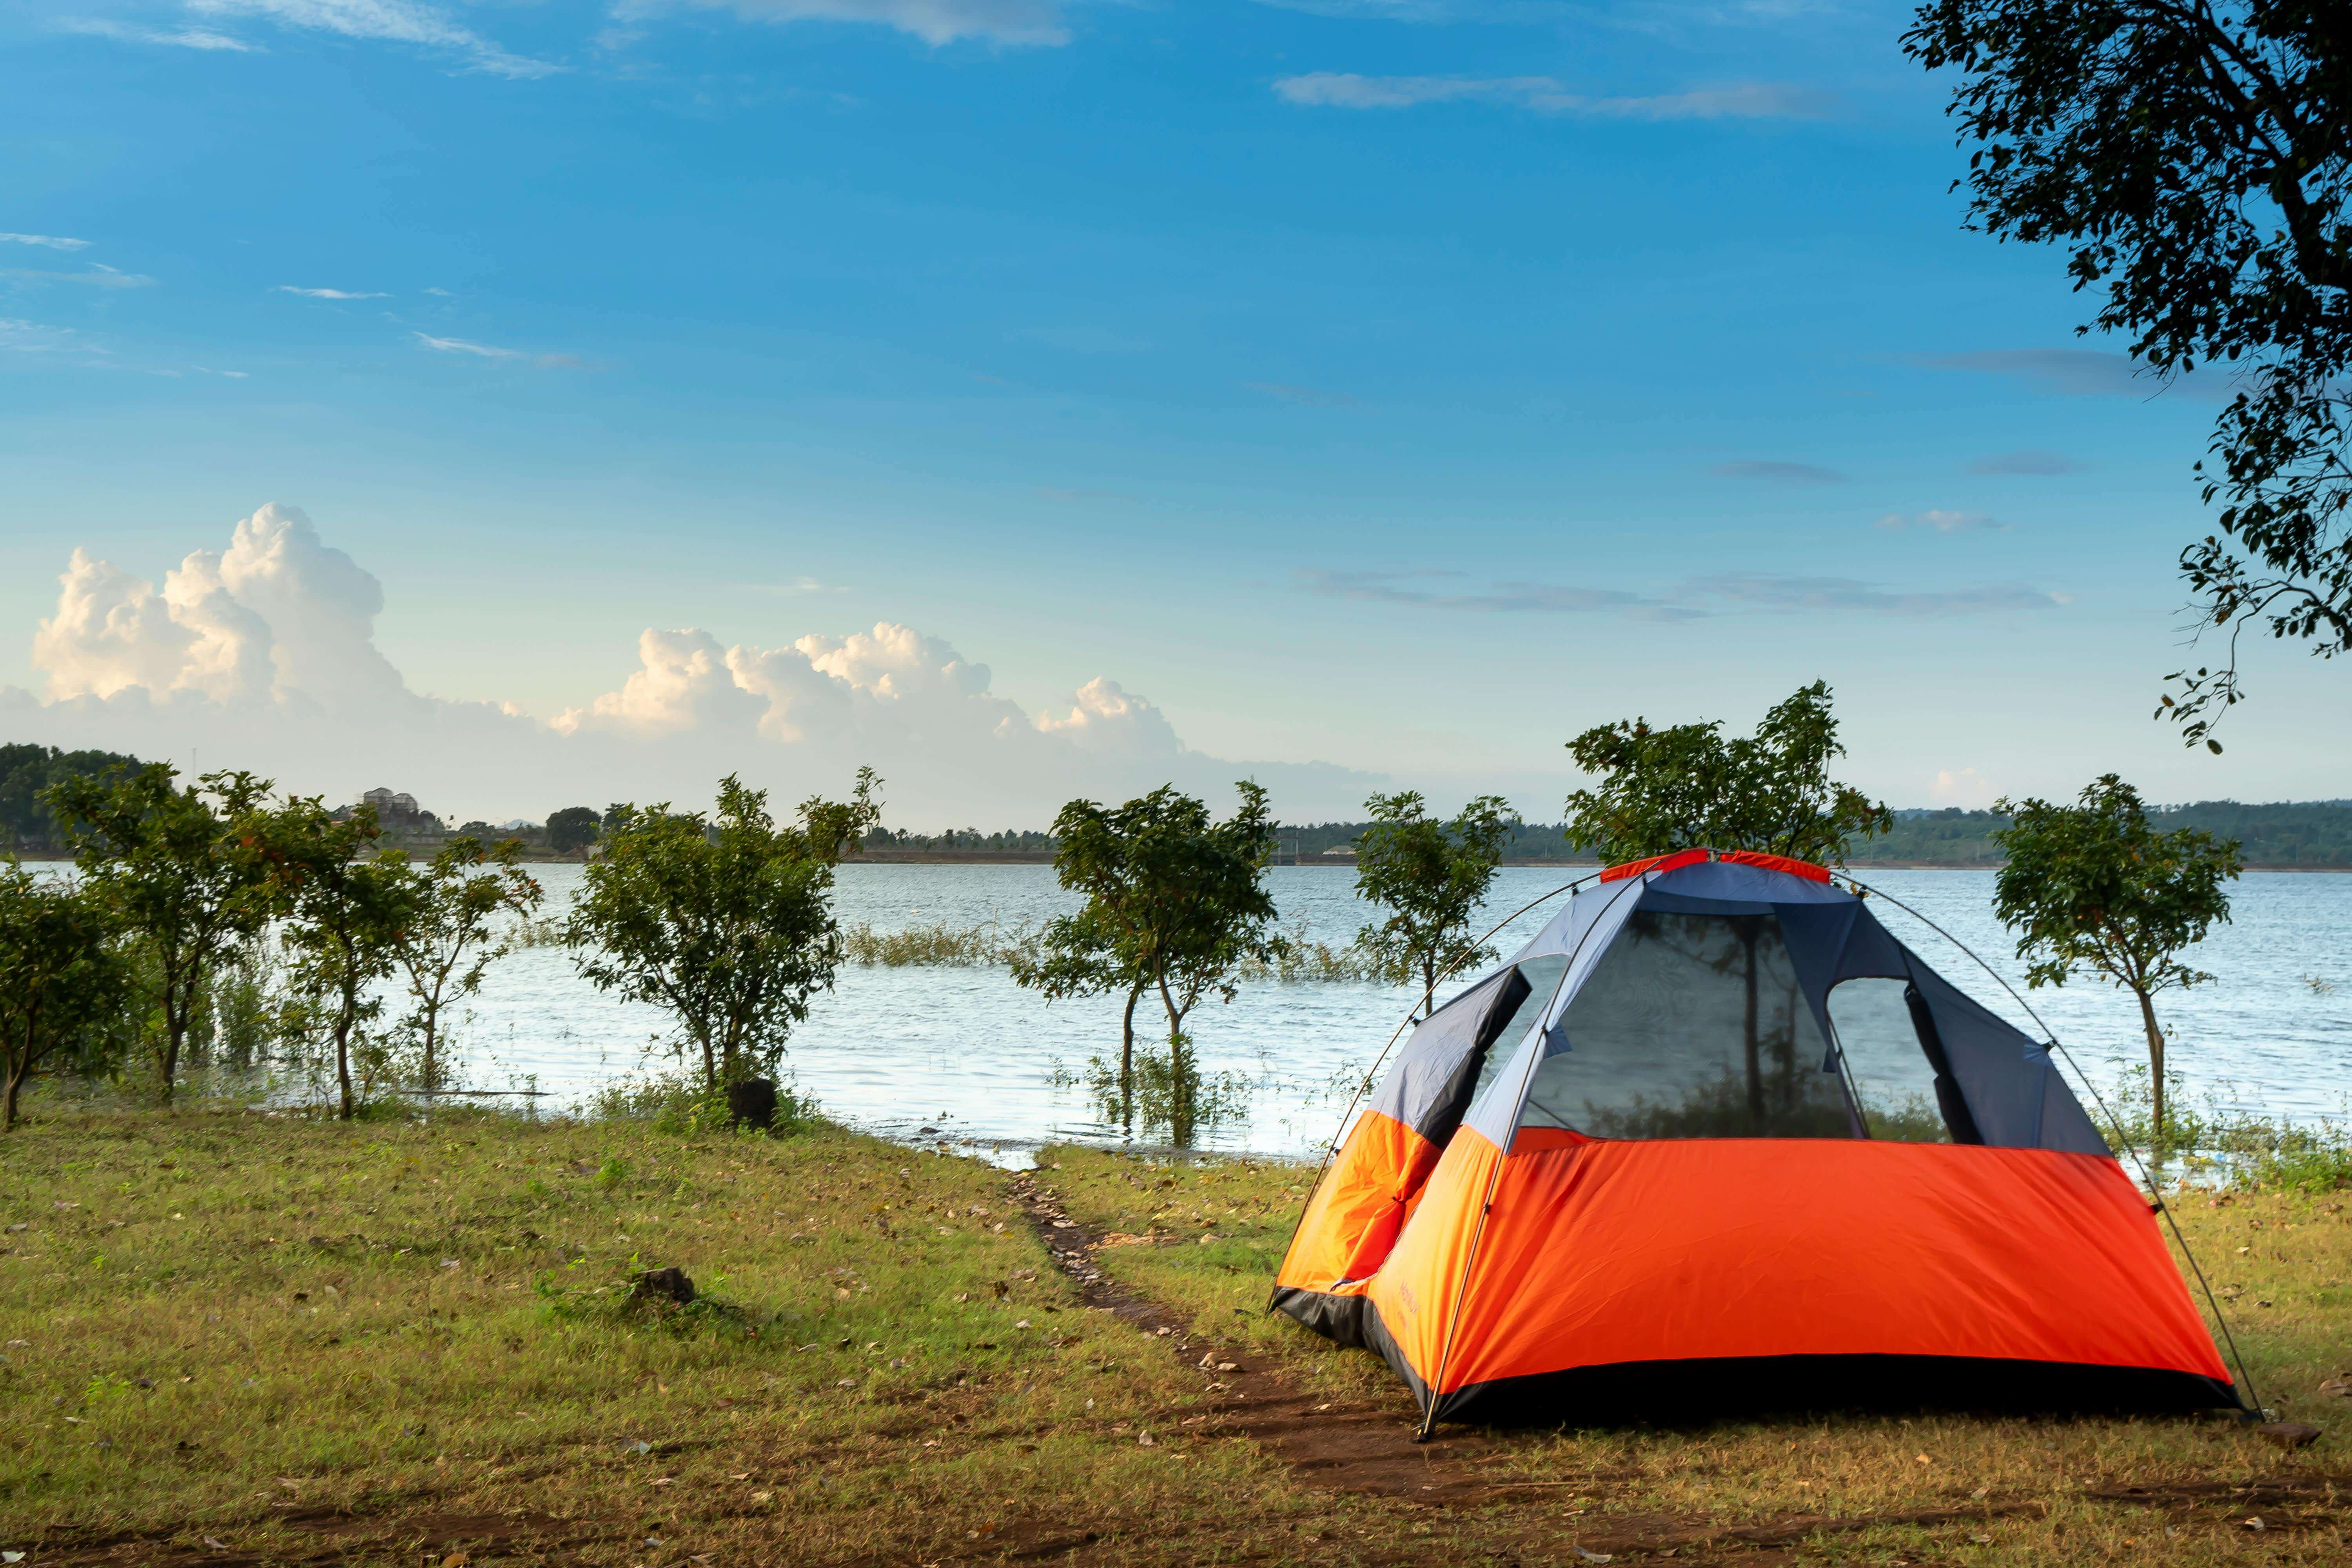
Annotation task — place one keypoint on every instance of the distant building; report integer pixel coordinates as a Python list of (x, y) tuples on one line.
[(397, 813)]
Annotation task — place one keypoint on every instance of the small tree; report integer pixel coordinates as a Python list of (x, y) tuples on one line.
[(1433, 876), (448, 947), (350, 906), (1685, 786), (573, 827), (179, 868), (1175, 902), (2095, 888), (63, 984), (725, 921)]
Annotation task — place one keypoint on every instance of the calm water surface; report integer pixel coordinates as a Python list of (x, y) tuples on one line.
[(967, 1052)]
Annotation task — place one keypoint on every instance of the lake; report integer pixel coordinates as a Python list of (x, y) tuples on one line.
[(965, 1051)]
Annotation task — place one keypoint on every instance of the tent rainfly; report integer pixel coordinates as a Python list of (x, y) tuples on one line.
[(1715, 1139)]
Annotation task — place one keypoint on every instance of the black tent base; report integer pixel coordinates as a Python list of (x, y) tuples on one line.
[(1698, 1391), (1339, 1317)]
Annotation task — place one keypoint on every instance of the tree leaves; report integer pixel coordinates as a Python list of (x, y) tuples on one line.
[(2197, 160), (1686, 787), (725, 920)]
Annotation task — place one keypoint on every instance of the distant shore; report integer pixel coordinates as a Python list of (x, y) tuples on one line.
[(1045, 857)]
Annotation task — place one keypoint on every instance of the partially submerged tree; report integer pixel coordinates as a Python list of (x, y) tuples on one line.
[(63, 983), (1685, 786), (2093, 888), (725, 920), (1175, 903), (349, 907), (449, 944), (180, 868), (2195, 157), (1432, 876)]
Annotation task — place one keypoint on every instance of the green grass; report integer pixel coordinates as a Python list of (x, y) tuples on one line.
[(233, 1324), (2285, 1259)]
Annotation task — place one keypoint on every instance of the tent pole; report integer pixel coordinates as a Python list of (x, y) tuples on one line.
[(1331, 1150), (2115, 1122)]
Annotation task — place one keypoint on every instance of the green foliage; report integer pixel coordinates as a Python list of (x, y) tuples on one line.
[(2193, 159), (573, 827), (63, 982), (1685, 788), (350, 906), (447, 946), (1431, 876), (2095, 888), (28, 772), (182, 869), (725, 920), (1176, 902)]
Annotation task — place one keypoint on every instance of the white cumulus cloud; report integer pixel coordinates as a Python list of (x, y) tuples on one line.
[(263, 655)]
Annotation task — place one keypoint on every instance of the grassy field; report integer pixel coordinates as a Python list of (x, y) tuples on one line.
[(240, 1339)]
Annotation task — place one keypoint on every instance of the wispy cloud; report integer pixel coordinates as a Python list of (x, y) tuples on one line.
[(174, 37), (392, 21), (1547, 95), (1939, 522), (100, 275), (1758, 590), (47, 241), (1721, 593), (20, 336), (935, 22), (491, 351), (324, 293), (1778, 473), (800, 586), (1393, 588), (1311, 396), (2074, 373), (2033, 461)]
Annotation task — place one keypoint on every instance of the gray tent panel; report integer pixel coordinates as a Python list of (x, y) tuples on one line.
[(2014, 1091), (1426, 1088)]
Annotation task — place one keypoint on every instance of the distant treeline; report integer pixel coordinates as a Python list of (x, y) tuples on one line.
[(2296, 833), (964, 839), (25, 771), (2287, 833)]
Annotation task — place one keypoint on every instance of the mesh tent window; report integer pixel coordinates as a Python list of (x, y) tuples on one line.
[(1691, 1025)]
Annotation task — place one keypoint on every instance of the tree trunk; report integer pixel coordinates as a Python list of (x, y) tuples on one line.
[(175, 1028), (1428, 984), (343, 1021), (1127, 1060), (1179, 1085), (8, 1097), (2155, 1063)]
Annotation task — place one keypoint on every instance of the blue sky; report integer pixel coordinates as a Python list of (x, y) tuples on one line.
[(1396, 387)]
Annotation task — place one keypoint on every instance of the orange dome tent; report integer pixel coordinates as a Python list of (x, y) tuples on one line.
[(1715, 1139)]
